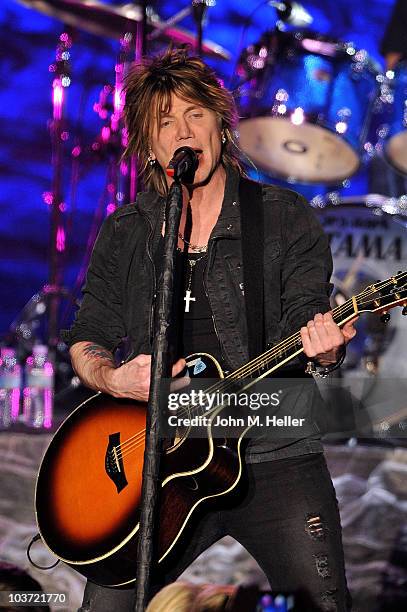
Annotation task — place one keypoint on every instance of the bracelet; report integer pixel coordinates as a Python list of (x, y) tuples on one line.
[(324, 372)]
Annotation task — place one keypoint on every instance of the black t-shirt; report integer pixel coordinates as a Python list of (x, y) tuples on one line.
[(194, 330), (199, 333)]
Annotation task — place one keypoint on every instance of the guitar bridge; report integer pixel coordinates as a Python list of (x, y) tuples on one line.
[(114, 463)]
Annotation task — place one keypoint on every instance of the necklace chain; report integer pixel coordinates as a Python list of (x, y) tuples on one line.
[(192, 263), (188, 298), (194, 247)]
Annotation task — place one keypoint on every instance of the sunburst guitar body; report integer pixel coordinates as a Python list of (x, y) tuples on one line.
[(88, 489)]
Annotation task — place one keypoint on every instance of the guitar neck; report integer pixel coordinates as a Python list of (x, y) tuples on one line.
[(287, 349)]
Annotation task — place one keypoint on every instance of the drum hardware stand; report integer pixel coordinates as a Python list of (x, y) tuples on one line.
[(49, 297), (126, 179), (169, 23), (132, 45), (58, 233), (199, 8), (126, 171)]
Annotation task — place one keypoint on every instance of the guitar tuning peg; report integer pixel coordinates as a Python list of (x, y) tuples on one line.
[(385, 318), (404, 311)]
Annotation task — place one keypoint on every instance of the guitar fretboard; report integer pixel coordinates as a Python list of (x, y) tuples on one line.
[(287, 349)]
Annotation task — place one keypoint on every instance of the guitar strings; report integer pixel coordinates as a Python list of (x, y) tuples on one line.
[(259, 362), (290, 342)]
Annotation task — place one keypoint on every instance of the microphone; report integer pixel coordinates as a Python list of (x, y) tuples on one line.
[(292, 13), (183, 165)]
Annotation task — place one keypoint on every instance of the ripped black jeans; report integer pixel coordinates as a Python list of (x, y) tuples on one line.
[(287, 517)]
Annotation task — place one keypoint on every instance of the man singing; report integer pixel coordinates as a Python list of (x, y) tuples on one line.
[(288, 517)]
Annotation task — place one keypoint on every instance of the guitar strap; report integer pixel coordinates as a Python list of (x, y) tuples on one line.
[(252, 231)]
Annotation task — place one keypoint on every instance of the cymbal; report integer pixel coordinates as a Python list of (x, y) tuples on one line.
[(114, 21)]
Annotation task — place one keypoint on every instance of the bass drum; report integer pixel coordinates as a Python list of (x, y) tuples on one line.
[(305, 106), (368, 245)]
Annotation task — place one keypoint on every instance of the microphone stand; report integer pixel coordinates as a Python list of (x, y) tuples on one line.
[(160, 375)]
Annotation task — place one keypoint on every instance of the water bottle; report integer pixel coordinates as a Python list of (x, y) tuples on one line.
[(38, 389), (10, 387)]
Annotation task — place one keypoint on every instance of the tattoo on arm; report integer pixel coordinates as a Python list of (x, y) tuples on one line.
[(95, 350)]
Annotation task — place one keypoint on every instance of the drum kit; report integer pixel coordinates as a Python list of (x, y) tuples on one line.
[(308, 103), (310, 107), (306, 106)]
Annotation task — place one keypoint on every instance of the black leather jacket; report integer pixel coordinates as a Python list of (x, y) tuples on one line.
[(120, 285)]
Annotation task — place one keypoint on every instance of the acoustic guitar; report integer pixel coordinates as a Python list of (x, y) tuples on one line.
[(88, 488)]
